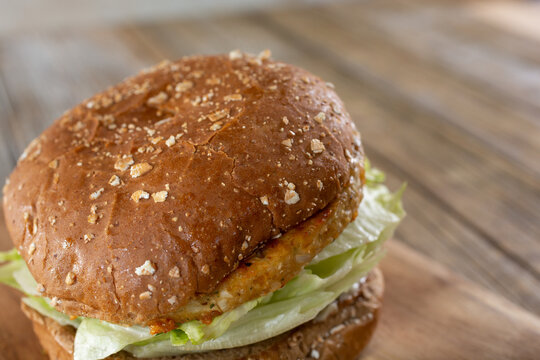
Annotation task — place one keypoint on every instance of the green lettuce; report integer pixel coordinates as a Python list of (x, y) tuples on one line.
[(11, 255), (15, 273), (333, 271), (96, 339), (46, 309)]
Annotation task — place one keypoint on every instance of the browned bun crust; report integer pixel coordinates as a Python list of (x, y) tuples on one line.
[(229, 151), (341, 331)]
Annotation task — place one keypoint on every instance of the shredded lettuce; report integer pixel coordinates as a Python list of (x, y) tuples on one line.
[(25, 280), (333, 271), (15, 273), (11, 255), (96, 339), (46, 309), (7, 271)]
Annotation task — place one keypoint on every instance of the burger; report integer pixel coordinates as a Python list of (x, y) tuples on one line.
[(214, 207)]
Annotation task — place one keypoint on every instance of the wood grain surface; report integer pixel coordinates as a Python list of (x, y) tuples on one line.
[(446, 100)]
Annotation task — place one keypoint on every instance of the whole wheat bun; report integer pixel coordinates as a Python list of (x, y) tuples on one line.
[(148, 195), (340, 332)]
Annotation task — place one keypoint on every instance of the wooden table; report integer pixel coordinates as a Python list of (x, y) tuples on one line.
[(446, 95)]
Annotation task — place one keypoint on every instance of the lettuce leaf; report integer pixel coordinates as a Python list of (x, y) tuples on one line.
[(42, 306), (333, 271), (11, 255), (15, 273), (7, 271), (96, 339), (25, 280)]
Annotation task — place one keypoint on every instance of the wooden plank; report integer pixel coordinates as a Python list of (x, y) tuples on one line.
[(482, 27), (427, 79), (7, 147), (425, 28), (17, 340), (457, 244), (68, 15), (429, 313), (520, 17), (45, 75), (438, 235)]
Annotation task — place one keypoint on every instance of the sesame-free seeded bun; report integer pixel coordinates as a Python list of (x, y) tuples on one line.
[(148, 196), (340, 331)]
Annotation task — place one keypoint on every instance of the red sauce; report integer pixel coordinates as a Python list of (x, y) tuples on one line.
[(160, 326)]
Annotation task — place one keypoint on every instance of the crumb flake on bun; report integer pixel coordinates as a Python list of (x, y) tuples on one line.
[(148, 196)]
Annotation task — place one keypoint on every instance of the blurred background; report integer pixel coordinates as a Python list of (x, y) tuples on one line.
[(445, 93)]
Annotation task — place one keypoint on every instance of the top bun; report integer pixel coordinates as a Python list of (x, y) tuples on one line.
[(162, 184)]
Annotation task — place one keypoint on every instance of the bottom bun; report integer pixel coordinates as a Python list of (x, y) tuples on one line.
[(340, 331)]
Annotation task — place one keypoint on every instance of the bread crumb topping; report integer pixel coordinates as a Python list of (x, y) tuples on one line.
[(264, 200), (233, 97), (70, 278), (317, 146), (205, 269), (287, 142), (265, 54), (170, 141), (31, 249), (158, 99), (88, 237), (139, 169), (291, 197), (235, 55), (160, 196), (174, 272), (53, 164), (145, 295), (183, 86), (320, 117), (96, 194), (218, 115), (114, 180), (156, 140), (146, 269), (92, 218), (139, 194), (124, 162), (216, 126)]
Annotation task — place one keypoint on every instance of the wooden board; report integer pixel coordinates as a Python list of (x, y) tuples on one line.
[(445, 94), (428, 313)]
